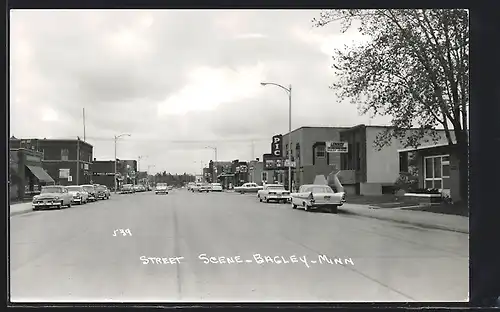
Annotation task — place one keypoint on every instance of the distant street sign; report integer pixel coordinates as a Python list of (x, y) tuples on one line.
[(290, 164)]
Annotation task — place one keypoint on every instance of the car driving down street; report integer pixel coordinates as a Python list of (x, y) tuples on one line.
[(161, 188), (312, 196)]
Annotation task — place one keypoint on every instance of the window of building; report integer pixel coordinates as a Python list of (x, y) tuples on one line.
[(64, 154), (320, 151), (264, 176), (437, 172), (403, 162)]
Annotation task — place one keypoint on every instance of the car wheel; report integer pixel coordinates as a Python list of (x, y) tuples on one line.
[(60, 206), (294, 206), (69, 205), (260, 199), (267, 200)]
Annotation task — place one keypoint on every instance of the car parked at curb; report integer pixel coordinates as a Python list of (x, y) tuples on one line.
[(79, 195), (52, 196), (216, 187), (90, 189), (312, 196), (102, 192), (249, 187), (273, 192), (127, 189)]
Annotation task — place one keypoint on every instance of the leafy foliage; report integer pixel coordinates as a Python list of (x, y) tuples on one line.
[(415, 68), (174, 179)]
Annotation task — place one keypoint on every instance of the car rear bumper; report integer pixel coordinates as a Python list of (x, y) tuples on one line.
[(278, 197), (46, 204)]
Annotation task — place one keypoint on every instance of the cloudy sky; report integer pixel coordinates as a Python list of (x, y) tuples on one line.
[(177, 81)]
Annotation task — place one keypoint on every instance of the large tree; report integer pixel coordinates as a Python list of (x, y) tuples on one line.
[(414, 67)]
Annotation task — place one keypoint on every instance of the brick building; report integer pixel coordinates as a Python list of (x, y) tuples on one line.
[(365, 169), (104, 171), (68, 162), (26, 173)]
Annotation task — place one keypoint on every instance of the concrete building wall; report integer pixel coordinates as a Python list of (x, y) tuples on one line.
[(383, 166)]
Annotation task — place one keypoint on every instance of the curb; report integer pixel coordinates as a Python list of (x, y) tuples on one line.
[(423, 225)]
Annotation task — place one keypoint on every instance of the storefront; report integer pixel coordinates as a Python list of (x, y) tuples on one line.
[(26, 174), (226, 180)]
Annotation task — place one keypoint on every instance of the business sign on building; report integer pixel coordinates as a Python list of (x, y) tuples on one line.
[(337, 147), (277, 146)]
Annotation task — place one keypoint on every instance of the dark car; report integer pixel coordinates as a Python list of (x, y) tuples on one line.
[(89, 188), (102, 192)]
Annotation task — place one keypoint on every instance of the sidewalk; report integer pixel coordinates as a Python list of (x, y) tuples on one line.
[(20, 208), (420, 218)]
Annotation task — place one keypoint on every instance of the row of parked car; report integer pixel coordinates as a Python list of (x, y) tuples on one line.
[(130, 188), (59, 196), (204, 187), (307, 197)]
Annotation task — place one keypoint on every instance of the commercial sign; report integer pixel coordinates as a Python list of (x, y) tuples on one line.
[(277, 146), (292, 164), (337, 147)]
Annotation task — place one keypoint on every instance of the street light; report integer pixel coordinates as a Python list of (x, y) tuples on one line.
[(139, 165), (116, 139), (289, 91), (154, 177), (214, 173)]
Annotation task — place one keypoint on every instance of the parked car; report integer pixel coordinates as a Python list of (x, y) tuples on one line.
[(205, 187), (190, 186), (161, 188), (90, 189), (216, 187), (52, 196), (311, 196), (80, 196), (196, 187), (273, 192), (102, 192), (249, 187), (127, 189)]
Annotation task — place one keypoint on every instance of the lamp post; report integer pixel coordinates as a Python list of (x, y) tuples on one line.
[(214, 173), (289, 91), (116, 140), (139, 164), (154, 177)]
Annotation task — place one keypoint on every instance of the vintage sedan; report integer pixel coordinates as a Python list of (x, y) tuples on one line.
[(312, 196), (52, 196), (216, 187), (90, 189), (161, 188), (102, 192), (127, 189), (273, 192), (78, 193), (248, 188)]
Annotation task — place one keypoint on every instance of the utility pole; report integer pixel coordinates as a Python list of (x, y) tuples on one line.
[(253, 150), (78, 161), (84, 124)]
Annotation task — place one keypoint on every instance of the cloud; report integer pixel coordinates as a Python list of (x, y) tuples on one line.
[(175, 80)]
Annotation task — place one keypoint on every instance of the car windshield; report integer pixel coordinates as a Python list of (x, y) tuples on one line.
[(100, 188), (51, 190), (319, 189), (161, 185), (75, 188), (88, 188)]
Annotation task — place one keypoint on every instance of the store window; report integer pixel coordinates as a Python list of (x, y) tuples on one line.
[(437, 172)]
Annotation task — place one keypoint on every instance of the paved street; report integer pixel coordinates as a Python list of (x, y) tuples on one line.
[(72, 255)]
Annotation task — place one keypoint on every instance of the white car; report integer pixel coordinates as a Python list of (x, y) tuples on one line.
[(216, 187), (273, 192), (79, 195), (248, 188), (314, 196), (161, 188), (52, 196)]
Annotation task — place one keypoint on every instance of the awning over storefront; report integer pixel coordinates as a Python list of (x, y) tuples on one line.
[(40, 174)]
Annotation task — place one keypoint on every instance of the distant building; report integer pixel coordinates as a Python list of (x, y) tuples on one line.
[(68, 162), (104, 172), (219, 167), (364, 169), (256, 169)]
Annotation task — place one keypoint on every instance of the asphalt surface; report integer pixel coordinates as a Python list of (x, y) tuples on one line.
[(72, 254)]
